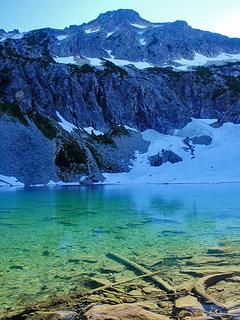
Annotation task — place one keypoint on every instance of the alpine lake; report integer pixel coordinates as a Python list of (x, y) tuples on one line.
[(65, 241)]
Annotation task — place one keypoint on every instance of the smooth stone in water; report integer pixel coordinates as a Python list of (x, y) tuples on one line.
[(198, 260), (57, 315), (82, 259), (96, 282), (150, 289), (111, 269), (121, 312), (222, 251), (189, 303)]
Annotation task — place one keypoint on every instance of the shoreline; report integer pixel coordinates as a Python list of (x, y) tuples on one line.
[(76, 184)]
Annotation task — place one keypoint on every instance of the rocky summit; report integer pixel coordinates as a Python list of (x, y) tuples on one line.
[(75, 103)]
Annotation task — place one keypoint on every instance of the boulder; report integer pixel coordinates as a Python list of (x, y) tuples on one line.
[(189, 303), (56, 315), (121, 312), (202, 260), (222, 251), (163, 157), (204, 139)]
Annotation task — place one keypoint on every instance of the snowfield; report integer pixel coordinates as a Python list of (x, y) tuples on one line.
[(183, 64), (62, 37), (68, 126), (139, 26), (65, 60), (218, 162), (214, 163), (201, 60), (10, 182)]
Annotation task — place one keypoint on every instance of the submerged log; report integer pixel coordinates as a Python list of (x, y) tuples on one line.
[(233, 305), (203, 283), (158, 280), (115, 284)]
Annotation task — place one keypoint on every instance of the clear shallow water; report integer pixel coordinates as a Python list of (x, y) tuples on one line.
[(46, 235)]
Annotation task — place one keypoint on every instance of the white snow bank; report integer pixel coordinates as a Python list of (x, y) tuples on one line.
[(92, 30), (214, 163), (139, 26), (94, 61), (68, 126), (91, 129), (6, 181), (201, 60), (121, 63), (129, 128), (110, 33), (12, 36), (62, 184), (66, 60), (137, 64), (143, 41), (61, 37)]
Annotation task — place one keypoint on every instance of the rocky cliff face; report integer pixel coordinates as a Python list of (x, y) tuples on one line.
[(123, 35), (33, 87)]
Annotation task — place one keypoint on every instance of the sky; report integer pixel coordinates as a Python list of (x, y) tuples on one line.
[(220, 16)]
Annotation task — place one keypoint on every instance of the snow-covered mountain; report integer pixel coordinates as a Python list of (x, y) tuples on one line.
[(124, 38), (70, 98)]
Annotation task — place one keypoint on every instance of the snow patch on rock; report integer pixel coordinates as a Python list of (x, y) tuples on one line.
[(65, 60), (139, 26), (68, 126), (6, 181), (92, 30), (91, 129), (61, 37), (201, 60)]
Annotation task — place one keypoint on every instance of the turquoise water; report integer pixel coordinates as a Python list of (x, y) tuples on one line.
[(51, 240)]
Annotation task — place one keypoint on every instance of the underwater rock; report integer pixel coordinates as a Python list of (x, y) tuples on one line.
[(17, 267), (188, 303), (45, 253), (96, 282), (148, 305), (150, 289), (56, 315), (186, 286), (200, 260), (111, 269), (82, 259), (136, 292), (121, 312), (222, 251)]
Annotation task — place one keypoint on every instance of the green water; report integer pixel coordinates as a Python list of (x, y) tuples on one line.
[(47, 234)]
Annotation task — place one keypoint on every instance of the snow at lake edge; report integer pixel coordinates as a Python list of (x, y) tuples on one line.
[(213, 163)]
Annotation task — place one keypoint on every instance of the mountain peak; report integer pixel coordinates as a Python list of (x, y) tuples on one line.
[(113, 19), (122, 15)]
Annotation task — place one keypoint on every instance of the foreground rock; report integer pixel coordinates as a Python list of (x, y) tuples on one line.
[(188, 303), (121, 312)]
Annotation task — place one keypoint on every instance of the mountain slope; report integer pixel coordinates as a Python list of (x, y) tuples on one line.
[(70, 121), (123, 37)]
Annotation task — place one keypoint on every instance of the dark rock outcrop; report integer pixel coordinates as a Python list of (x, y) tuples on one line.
[(163, 157), (204, 139)]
